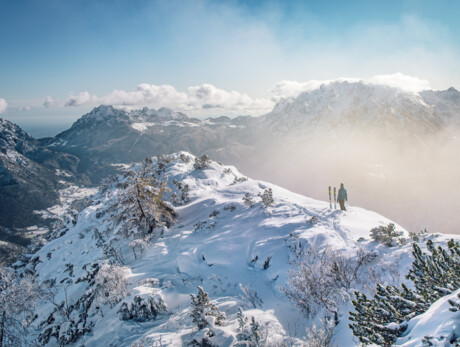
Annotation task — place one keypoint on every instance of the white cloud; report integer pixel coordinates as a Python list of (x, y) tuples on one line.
[(196, 99), (208, 99), (287, 89), (3, 105), (82, 98), (23, 108), (50, 102), (403, 82), (208, 96)]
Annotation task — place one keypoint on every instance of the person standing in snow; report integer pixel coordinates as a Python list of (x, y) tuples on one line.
[(342, 197)]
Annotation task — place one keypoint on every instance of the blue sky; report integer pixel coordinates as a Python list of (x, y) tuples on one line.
[(235, 53)]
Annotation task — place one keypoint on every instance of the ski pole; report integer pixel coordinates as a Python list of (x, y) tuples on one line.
[(335, 200)]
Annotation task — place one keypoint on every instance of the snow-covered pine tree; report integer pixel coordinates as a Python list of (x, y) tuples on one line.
[(185, 158), (142, 308), (385, 234), (184, 190), (247, 200), (203, 307), (202, 162), (198, 305), (436, 274), (67, 323), (141, 205), (454, 303), (255, 332), (382, 319), (251, 335), (162, 162), (184, 193), (267, 197), (124, 312), (368, 326), (242, 320), (239, 179)]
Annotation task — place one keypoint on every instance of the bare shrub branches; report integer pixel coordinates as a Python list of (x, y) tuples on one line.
[(322, 279)]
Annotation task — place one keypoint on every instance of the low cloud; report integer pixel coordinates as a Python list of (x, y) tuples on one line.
[(207, 94), (288, 89), (3, 105), (206, 98), (403, 82), (194, 99), (24, 108), (82, 98), (50, 102)]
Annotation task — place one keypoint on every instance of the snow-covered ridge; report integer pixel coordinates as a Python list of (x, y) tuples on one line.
[(351, 104), (353, 101), (217, 242), (11, 135), (28, 179), (439, 326), (359, 104), (140, 119)]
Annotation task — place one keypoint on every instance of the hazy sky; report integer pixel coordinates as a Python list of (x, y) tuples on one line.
[(58, 59)]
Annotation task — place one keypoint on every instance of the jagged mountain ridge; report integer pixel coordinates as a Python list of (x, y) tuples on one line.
[(394, 149), (354, 106), (202, 248), (366, 135), (331, 110), (338, 111), (108, 135), (446, 104), (29, 176), (271, 146)]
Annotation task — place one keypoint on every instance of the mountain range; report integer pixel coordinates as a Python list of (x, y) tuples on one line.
[(388, 146)]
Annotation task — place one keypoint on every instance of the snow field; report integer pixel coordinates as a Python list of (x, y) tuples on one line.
[(220, 244)]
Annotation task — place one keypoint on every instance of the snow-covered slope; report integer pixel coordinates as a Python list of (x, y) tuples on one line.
[(445, 103), (439, 326), (108, 136), (392, 148), (29, 177), (337, 110), (352, 108), (380, 139), (216, 242)]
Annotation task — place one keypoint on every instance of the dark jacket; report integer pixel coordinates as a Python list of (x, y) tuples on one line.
[(342, 194)]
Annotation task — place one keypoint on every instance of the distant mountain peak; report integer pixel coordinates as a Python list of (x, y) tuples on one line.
[(167, 113), (355, 105), (11, 134), (101, 113), (105, 113)]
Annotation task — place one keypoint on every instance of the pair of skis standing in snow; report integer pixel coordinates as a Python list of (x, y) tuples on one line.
[(341, 198)]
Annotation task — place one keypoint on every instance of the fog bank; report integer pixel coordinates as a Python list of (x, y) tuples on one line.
[(413, 180)]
